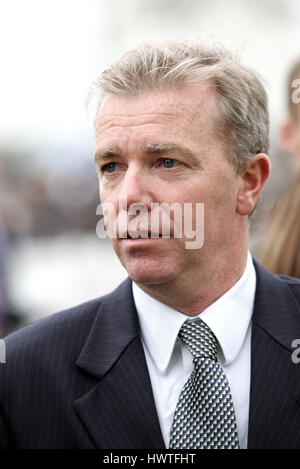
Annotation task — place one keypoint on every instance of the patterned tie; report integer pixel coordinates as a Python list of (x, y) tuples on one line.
[(204, 416)]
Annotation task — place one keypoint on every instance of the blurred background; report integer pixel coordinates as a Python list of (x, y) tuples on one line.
[(51, 51)]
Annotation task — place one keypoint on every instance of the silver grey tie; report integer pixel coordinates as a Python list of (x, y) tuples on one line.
[(204, 416)]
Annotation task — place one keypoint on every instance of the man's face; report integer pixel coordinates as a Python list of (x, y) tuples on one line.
[(161, 146)]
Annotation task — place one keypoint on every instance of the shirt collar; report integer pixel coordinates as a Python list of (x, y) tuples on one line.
[(228, 317), (159, 324)]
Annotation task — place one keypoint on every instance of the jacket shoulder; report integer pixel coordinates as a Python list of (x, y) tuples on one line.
[(70, 325), (293, 284), (290, 280), (277, 282), (63, 333)]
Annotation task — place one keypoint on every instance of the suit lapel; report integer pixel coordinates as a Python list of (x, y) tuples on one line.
[(274, 414), (119, 412)]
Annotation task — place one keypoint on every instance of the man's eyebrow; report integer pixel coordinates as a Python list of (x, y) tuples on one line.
[(105, 153), (171, 147)]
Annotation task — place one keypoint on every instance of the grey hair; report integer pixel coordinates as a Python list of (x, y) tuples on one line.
[(242, 100)]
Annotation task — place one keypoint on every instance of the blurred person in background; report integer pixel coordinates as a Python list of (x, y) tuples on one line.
[(280, 252), (3, 287), (290, 131), (3, 251), (7, 317), (193, 350)]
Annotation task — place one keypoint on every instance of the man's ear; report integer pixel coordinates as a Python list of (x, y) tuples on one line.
[(252, 179)]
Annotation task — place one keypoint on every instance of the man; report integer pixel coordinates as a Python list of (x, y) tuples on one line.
[(194, 349)]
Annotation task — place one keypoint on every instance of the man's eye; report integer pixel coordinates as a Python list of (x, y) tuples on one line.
[(109, 168), (169, 163)]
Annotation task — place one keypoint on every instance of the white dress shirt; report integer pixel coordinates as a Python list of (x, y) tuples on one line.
[(170, 363)]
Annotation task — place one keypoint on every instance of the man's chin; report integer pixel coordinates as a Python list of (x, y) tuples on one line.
[(156, 275)]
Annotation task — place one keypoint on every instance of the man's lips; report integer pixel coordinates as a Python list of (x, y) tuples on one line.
[(139, 235)]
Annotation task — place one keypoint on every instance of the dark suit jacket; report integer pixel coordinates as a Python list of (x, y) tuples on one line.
[(79, 379)]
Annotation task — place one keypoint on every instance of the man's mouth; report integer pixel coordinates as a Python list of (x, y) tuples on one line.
[(141, 235)]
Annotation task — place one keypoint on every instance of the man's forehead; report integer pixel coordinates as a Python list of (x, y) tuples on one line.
[(190, 98)]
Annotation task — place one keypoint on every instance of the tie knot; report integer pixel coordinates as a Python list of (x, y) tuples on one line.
[(199, 339)]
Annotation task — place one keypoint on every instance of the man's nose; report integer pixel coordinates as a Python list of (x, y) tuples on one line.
[(138, 187)]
